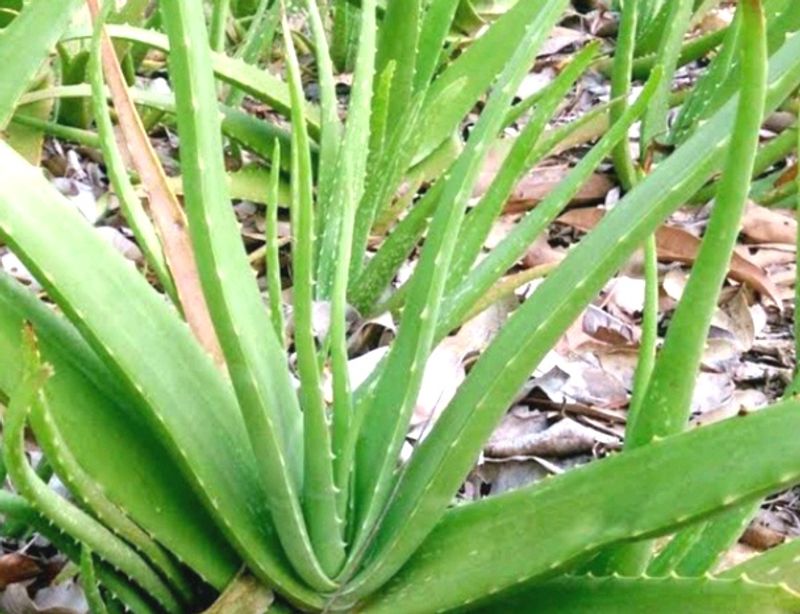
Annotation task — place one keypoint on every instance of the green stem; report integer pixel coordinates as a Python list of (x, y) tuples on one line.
[(649, 339), (274, 285), (91, 589), (87, 138), (219, 22)]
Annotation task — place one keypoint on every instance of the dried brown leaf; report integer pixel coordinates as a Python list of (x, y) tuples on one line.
[(763, 225), (17, 567), (677, 245), (164, 208)]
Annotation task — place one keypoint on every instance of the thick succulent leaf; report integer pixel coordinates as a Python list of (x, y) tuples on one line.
[(677, 15), (433, 33), (273, 263), (25, 45), (256, 135), (616, 595), (338, 237), (259, 37), (120, 588), (91, 589), (399, 34), (668, 557), (27, 139), (331, 125), (723, 77), (663, 407), (718, 536), (140, 223), (666, 405), (254, 81), (475, 70), (528, 149), (61, 512), (107, 436), (182, 395), (386, 419), (91, 496), (325, 525), (778, 565), (442, 460), (254, 355), (539, 530), (699, 102)]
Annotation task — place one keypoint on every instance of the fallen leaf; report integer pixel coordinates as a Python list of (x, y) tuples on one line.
[(64, 598), (535, 81), (537, 183), (518, 422), (762, 538), (565, 438), (14, 267), (507, 475), (540, 252), (444, 370), (121, 243), (17, 567), (594, 386), (627, 294), (359, 369), (560, 38), (711, 391), (677, 245), (741, 400), (604, 327), (772, 254), (764, 225)]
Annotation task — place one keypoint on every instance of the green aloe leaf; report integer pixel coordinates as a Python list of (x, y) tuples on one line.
[(475, 70), (527, 150), (252, 80), (778, 565), (182, 395), (254, 355), (89, 582), (25, 45), (107, 436), (616, 595), (274, 283), (440, 462), (462, 299), (397, 46), (389, 411), (665, 405), (434, 28), (68, 518), (668, 398), (538, 531), (91, 496), (120, 588), (331, 128), (325, 526), (677, 14), (131, 204)]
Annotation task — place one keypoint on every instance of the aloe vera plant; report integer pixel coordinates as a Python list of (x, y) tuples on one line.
[(189, 422)]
